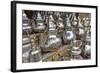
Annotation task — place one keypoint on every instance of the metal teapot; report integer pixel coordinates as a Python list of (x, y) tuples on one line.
[(35, 55), (76, 48), (86, 21), (25, 40), (25, 52), (53, 41), (24, 18), (60, 23), (39, 25), (74, 21), (87, 51)]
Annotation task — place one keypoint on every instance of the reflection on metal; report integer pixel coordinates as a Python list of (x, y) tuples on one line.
[(68, 36)]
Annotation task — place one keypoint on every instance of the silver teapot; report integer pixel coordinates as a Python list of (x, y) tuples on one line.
[(35, 54), (52, 26), (25, 40), (39, 26), (25, 52), (74, 21), (86, 21), (60, 23), (87, 51), (76, 49), (53, 41)]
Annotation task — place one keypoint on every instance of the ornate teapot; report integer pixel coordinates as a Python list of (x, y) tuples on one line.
[(39, 25)]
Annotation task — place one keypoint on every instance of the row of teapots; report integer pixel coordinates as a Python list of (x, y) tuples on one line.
[(77, 46), (68, 34), (38, 24)]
